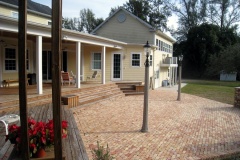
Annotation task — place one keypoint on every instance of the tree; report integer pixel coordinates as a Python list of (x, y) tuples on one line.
[(202, 41), (154, 12), (140, 8), (228, 61), (224, 13), (191, 13), (85, 23), (71, 23), (87, 20)]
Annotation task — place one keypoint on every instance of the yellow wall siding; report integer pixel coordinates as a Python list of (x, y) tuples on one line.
[(5, 11), (38, 19), (88, 50), (127, 31), (30, 17), (12, 43), (133, 73)]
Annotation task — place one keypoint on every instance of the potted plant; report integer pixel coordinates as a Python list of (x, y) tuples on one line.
[(41, 136)]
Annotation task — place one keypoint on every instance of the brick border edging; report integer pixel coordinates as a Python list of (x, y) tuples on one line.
[(237, 97)]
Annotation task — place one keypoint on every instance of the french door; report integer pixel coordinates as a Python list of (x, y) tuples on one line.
[(116, 67)]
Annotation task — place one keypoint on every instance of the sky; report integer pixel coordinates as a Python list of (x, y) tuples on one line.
[(101, 8)]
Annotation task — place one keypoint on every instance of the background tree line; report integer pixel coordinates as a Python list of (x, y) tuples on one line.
[(206, 34)]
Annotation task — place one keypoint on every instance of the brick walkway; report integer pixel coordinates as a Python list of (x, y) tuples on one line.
[(195, 128)]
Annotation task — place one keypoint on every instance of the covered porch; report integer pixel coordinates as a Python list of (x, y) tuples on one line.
[(82, 54)]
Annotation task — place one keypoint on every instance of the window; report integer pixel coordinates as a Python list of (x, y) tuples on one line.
[(15, 15), (150, 60), (161, 45), (135, 59), (10, 59), (96, 60)]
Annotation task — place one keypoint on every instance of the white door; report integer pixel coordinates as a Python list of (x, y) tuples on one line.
[(116, 67)]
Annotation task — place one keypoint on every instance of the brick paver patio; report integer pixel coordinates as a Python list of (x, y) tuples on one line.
[(195, 128)]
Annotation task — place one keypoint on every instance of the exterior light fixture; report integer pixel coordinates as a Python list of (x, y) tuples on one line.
[(146, 88), (180, 59)]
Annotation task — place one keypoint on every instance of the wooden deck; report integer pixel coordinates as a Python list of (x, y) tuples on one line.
[(73, 145)]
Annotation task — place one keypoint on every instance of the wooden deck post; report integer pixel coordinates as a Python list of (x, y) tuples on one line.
[(22, 75), (56, 80)]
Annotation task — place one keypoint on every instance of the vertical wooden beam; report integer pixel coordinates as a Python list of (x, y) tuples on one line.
[(56, 79), (22, 50)]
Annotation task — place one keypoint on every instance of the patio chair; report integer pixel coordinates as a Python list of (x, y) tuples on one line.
[(10, 118), (66, 78), (94, 76)]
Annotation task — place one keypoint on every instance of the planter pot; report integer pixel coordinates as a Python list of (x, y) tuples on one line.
[(40, 153)]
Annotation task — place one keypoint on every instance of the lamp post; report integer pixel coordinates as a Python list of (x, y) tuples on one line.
[(146, 89), (180, 59)]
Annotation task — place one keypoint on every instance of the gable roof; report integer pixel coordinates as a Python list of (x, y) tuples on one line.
[(127, 12), (150, 27), (31, 6)]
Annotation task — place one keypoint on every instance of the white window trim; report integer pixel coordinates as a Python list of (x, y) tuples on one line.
[(13, 13), (4, 58), (92, 61), (140, 59), (150, 64)]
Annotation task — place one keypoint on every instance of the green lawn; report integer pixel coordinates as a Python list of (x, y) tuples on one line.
[(216, 90)]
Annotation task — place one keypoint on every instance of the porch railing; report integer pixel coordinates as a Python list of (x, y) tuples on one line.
[(170, 60)]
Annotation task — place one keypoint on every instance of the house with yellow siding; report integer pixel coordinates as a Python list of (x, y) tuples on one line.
[(116, 57), (37, 13), (126, 27)]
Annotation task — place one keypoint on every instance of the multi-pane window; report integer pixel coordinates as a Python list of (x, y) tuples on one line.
[(10, 59), (96, 60), (150, 60), (136, 59), (162, 46)]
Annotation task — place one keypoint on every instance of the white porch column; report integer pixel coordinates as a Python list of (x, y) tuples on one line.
[(103, 64), (78, 64), (173, 70), (176, 75), (170, 76), (39, 64)]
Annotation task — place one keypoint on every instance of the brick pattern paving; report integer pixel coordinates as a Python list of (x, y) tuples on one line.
[(195, 128)]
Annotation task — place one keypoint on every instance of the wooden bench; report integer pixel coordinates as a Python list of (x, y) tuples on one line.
[(8, 81), (70, 100), (139, 88)]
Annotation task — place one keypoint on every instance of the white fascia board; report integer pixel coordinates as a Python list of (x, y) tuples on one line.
[(9, 24)]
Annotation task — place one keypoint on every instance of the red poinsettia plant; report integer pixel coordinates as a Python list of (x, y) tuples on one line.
[(41, 134)]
